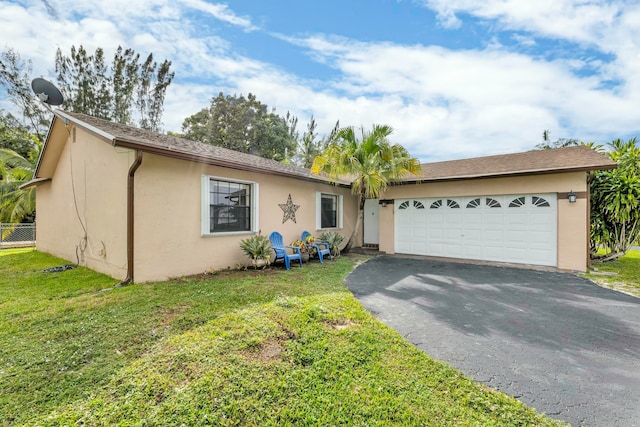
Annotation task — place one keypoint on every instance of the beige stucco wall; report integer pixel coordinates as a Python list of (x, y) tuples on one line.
[(168, 240), (572, 217), (99, 186)]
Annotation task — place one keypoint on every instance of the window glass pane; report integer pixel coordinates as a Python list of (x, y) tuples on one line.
[(328, 211), (230, 208)]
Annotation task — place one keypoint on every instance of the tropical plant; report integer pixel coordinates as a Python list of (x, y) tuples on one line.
[(299, 244), (17, 205), (370, 162), (334, 240), (615, 202), (258, 249), (15, 136)]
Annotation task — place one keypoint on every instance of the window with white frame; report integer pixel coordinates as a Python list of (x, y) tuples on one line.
[(228, 205), (328, 210)]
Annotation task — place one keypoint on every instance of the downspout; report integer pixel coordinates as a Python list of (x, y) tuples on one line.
[(589, 179), (130, 205)]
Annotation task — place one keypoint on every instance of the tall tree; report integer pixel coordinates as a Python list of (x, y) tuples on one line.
[(310, 145), (547, 144), (89, 86), (124, 79), (370, 162), (242, 124), (15, 77)]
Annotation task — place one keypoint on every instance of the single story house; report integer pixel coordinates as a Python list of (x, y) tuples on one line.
[(143, 206)]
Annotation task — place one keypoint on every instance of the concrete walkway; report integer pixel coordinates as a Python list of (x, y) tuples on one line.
[(556, 342)]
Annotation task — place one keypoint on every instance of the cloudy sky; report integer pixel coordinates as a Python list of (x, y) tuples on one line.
[(455, 78)]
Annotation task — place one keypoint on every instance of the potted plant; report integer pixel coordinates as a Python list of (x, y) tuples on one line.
[(304, 252), (258, 249), (313, 251), (334, 240)]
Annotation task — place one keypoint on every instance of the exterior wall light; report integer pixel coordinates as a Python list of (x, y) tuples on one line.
[(571, 196), (384, 203)]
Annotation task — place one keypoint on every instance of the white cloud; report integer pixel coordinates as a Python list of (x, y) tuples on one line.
[(576, 20), (443, 103), (221, 12)]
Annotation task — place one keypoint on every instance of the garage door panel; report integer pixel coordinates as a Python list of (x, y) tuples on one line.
[(516, 219), (495, 219), (511, 228), (472, 220), (515, 238), (493, 236), (453, 219), (516, 255), (494, 253), (453, 234), (541, 238), (453, 250), (472, 251), (435, 249)]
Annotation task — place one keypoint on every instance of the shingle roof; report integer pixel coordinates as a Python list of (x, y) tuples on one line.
[(172, 146), (578, 158)]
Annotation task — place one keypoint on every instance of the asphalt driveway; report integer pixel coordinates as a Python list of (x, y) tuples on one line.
[(556, 342)]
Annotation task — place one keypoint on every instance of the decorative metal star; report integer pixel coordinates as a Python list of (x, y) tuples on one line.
[(289, 210)]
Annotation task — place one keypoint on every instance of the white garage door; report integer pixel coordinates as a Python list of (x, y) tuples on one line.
[(517, 228)]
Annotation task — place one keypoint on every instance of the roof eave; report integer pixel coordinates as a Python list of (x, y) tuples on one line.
[(99, 132), (44, 146), (136, 145), (586, 168), (33, 183)]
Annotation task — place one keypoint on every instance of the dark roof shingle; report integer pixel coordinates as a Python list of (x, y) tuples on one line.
[(145, 140), (578, 158)]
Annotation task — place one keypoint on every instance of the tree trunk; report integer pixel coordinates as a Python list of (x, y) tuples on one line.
[(610, 257), (356, 229)]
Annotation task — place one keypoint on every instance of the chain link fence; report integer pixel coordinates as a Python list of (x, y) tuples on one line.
[(17, 235)]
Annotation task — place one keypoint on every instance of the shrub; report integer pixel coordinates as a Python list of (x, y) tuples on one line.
[(334, 240), (257, 248)]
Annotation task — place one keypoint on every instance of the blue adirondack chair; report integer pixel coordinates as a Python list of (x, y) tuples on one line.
[(321, 247), (281, 250)]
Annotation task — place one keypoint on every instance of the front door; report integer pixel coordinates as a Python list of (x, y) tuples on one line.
[(371, 224)]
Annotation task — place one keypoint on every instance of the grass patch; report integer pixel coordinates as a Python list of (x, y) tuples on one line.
[(14, 251), (627, 269), (239, 348)]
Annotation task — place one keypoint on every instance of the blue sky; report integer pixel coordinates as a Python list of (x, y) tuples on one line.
[(454, 78)]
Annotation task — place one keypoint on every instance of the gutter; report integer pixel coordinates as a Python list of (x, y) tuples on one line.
[(130, 217)]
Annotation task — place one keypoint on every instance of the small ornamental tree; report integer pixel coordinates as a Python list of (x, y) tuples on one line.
[(615, 202), (370, 162)]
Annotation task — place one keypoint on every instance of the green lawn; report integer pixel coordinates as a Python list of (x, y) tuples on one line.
[(261, 348), (628, 273)]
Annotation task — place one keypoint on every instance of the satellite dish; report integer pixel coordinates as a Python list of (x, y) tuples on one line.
[(46, 91)]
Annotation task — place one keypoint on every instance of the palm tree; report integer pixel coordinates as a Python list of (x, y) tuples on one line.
[(15, 170), (370, 163)]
